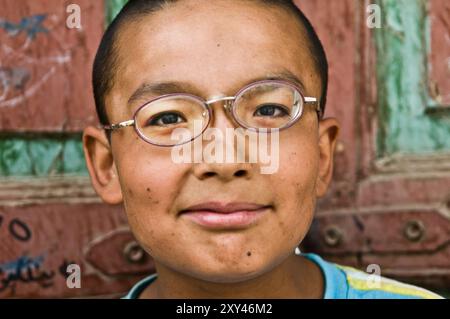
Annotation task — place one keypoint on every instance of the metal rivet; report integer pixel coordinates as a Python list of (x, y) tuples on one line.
[(333, 236), (414, 230), (134, 253)]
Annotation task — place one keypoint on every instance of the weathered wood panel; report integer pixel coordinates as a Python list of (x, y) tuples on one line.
[(45, 67), (383, 208), (398, 177), (334, 22), (403, 95), (39, 241), (439, 57), (26, 155)]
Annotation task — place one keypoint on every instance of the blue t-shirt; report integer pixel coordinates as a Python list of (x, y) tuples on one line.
[(340, 283)]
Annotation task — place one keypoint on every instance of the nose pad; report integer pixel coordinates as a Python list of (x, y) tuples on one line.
[(227, 103), (227, 106)]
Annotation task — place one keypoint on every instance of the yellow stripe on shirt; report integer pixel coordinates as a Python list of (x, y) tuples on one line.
[(359, 280)]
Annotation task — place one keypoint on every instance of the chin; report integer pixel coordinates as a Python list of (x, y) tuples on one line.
[(230, 277), (231, 272)]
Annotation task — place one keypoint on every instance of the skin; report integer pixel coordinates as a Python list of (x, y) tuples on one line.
[(217, 47)]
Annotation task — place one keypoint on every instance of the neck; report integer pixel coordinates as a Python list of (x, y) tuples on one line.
[(296, 277)]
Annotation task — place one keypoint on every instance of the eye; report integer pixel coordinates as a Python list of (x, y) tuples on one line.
[(274, 110), (166, 118)]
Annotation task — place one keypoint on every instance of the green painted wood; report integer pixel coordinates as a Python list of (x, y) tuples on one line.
[(45, 155), (41, 156), (54, 155), (113, 8), (73, 157), (14, 157), (402, 46)]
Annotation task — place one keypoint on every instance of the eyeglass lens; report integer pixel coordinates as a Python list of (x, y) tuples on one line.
[(268, 105)]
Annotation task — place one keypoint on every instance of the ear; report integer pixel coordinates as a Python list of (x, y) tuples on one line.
[(328, 133), (101, 166)]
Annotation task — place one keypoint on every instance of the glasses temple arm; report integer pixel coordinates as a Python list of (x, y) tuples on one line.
[(313, 100), (112, 127)]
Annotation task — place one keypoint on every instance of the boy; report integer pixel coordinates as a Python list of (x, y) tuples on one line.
[(219, 229)]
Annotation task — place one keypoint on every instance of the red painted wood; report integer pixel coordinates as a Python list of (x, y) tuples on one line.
[(439, 59), (109, 254), (45, 79), (382, 231), (334, 22), (368, 203), (369, 207), (51, 236)]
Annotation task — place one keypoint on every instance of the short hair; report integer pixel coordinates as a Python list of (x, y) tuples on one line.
[(106, 59)]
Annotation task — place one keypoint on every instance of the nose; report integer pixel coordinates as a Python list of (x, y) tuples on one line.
[(224, 172), (223, 109), (228, 170)]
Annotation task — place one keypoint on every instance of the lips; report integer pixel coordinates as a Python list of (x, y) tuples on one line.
[(216, 215)]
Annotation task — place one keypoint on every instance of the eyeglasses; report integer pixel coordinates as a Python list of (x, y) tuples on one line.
[(262, 105)]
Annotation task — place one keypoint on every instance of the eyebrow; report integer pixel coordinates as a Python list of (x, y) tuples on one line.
[(162, 88)]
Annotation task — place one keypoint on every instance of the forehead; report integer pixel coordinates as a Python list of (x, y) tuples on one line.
[(215, 45)]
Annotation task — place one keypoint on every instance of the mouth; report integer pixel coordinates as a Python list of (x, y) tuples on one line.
[(217, 215)]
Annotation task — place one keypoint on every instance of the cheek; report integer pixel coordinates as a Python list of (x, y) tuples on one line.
[(150, 184), (295, 187), (298, 168)]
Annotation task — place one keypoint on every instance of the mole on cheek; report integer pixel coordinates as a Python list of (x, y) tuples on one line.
[(150, 197), (249, 253)]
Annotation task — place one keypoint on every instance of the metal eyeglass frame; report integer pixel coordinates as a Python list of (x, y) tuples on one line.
[(229, 105)]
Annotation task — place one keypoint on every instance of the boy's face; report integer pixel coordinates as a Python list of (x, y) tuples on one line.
[(215, 47)]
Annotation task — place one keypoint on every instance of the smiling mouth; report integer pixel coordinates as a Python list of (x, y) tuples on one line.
[(216, 215)]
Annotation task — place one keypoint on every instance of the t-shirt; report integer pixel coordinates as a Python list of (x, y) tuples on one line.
[(341, 282)]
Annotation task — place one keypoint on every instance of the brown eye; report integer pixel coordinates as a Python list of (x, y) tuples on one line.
[(166, 118), (272, 110)]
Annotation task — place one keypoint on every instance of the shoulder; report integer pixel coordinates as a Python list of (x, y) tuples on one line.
[(139, 287), (364, 285), (350, 283)]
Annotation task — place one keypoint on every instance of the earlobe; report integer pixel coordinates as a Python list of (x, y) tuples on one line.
[(328, 133), (101, 166)]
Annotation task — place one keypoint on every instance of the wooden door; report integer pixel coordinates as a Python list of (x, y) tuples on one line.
[(389, 203), (50, 216)]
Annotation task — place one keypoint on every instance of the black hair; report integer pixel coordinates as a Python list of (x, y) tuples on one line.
[(106, 59)]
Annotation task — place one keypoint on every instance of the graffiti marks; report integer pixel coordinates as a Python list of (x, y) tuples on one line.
[(21, 74), (26, 270), (25, 94), (18, 229), (30, 25), (15, 77)]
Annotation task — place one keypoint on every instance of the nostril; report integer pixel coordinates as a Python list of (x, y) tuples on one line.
[(240, 173), (209, 174)]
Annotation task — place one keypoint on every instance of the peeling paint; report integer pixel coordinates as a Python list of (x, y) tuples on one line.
[(404, 126)]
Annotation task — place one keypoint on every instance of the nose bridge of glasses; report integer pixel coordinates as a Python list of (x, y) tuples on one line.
[(227, 99), (227, 102)]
